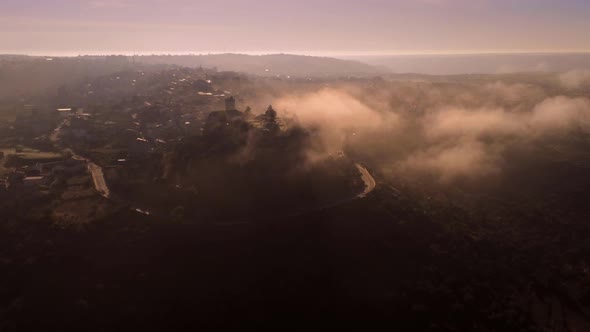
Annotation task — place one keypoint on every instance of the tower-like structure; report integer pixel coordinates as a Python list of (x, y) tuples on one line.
[(271, 114), (230, 104)]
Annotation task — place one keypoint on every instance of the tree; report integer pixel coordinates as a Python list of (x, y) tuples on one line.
[(271, 114)]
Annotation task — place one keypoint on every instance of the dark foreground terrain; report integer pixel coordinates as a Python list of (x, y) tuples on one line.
[(395, 258), (134, 201)]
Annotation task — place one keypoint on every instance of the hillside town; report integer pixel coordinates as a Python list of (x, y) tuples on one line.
[(104, 140)]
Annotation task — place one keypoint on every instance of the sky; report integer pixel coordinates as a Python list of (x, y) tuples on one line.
[(315, 27)]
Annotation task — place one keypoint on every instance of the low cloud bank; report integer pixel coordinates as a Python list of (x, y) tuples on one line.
[(449, 134)]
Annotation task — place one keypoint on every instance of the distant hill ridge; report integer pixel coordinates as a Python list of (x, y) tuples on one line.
[(25, 75), (269, 65)]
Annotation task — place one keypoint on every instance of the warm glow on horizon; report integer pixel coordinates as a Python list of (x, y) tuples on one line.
[(324, 27)]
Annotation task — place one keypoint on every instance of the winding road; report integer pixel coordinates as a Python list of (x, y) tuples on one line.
[(370, 185), (98, 177), (102, 187), (368, 179)]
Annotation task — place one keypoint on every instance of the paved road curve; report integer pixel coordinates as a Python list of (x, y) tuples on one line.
[(98, 177), (368, 179)]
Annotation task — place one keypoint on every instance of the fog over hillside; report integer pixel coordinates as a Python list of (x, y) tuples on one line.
[(398, 194), (448, 130), (362, 165)]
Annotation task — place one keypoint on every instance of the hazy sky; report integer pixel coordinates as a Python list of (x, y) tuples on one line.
[(302, 26)]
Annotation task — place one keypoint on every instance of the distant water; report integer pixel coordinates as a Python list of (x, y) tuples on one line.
[(479, 63)]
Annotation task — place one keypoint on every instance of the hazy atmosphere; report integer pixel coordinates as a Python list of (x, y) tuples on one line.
[(319, 27), (418, 165)]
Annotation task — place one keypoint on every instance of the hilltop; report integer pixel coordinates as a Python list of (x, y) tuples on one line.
[(269, 65)]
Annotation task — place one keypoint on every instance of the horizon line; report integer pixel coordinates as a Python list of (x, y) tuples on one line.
[(315, 54)]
